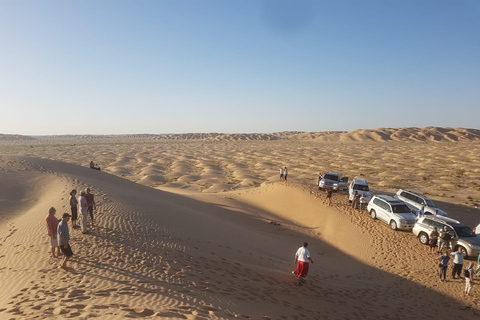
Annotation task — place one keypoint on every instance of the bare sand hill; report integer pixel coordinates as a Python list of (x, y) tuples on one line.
[(161, 255), (446, 171)]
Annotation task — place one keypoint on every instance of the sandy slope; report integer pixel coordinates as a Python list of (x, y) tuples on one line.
[(162, 255)]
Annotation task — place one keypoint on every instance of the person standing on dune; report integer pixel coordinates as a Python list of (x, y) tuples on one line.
[(91, 204), (329, 196), (52, 224), (302, 259), (281, 174), (356, 199), (457, 263), (83, 205), (285, 174), (73, 207), (63, 236)]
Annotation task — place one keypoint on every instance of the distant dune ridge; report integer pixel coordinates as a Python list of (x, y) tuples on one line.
[(359, 135)]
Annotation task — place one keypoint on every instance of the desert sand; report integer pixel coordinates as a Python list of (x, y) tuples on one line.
[(201, 228)]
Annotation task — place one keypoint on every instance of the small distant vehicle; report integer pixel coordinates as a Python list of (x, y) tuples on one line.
[(360, 186), (391, 211), (464, 238), (416, 201), (330, 180)]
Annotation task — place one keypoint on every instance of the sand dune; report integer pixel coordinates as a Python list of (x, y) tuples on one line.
[(161, 255), (434, 134)]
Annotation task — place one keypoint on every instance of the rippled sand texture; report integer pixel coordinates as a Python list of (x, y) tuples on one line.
[(442, 170)]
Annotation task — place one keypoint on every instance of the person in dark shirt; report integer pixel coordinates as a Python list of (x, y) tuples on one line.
[(91, 204)]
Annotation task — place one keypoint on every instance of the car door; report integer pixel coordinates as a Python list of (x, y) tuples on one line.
[(385, 212)]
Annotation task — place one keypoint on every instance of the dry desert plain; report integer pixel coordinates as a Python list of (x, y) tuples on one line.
[(200, 227)]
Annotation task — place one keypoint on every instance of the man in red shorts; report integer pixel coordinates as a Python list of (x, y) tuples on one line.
[(302, 258)]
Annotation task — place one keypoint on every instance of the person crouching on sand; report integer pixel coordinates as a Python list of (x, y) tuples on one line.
[(63, 236), (302, 257), (52, 224)]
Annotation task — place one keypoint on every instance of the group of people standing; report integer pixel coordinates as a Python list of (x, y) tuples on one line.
[(57, 229), (359, 200), (86, 203)]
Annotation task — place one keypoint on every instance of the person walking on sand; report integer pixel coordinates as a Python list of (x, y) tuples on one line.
[(73, 207), (329, 196), (281, 174), (52, 225), (356, 199), (91, 204), (433, 239), (302, 259), (444, 259), (285, 174), (83, 205), (457, 263), (363, 202), (63, 236), (468, 273)]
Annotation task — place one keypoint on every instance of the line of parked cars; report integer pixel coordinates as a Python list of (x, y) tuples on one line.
[(400, 211)]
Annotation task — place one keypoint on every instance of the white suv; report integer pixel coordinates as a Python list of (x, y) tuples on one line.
[(361, 186), (416, 201), (391, 211)]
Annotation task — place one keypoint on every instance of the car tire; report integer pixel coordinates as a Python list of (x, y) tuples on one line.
[(393, 225), (373, 214), (423, 238)]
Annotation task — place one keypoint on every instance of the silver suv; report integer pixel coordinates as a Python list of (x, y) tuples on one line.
[(464, 238), (329, 180), (360, 186), (391, 211), (416, 201)]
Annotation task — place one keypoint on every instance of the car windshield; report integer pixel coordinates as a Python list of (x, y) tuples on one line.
[(430, 203), (360, 187), (400, 208), (464, 232), (331, 177)]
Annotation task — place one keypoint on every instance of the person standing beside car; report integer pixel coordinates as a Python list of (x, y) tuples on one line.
[(356, 198), (433, 239), (457, 263), (363, 202)]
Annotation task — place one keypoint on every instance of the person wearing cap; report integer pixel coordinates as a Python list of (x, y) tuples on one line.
[(52, 225), (83, 206), (63, 237)]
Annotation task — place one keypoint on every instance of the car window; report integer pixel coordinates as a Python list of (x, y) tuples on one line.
[(400, 208), (411, 196), (419, 201), (360, 187), (378, 202), (331, 177), (404, 194), (429, 223), (464, 232), (430, 203)]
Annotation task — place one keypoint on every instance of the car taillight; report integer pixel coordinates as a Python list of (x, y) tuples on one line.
[(475, 229)]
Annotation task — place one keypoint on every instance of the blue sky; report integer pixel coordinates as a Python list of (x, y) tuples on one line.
[(104, 67)]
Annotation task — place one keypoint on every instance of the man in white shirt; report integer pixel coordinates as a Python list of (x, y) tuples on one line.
[(281, 174), (83, 206), (302, 258)]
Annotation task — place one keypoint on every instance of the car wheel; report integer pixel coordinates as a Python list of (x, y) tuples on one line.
[(373, 214), (393, 225), (463, 250), (423, 237)]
